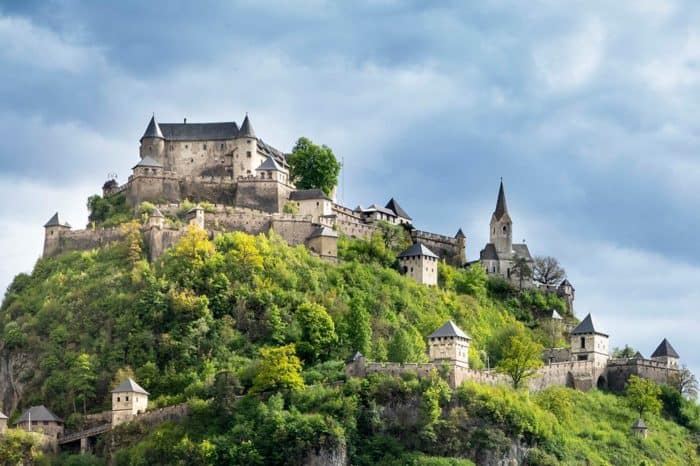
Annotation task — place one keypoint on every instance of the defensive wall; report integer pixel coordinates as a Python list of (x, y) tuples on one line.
[(453, 250)]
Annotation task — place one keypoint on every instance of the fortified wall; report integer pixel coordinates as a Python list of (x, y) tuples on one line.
[(452, 249)]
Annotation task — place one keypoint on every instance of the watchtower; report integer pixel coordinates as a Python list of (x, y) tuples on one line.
[(588, 343), (449, 343), (420, 263), (52, 234), (128, 400), (665, 354)]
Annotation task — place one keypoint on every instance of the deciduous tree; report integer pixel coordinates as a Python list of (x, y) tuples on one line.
[(521, 358), (279, 369), (547, 271), (643, 395), (312, 166), (685, 382)]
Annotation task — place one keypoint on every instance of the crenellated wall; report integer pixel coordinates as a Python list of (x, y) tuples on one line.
[(453, 250)]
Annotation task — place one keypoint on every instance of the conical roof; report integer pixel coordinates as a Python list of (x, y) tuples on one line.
[(148, 161), (587, 325), (396, 208), (2, 416), (418, 249), (501, 207), (460, 234), (665, 349), (153, 130), (639, 425), (246, 130), (129, 386), (39, 414), (449, 329), (54, 221)]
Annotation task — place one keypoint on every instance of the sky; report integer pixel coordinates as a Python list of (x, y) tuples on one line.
[(588, 110)]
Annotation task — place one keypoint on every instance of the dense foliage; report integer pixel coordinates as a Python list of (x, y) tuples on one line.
[(254, 334), (313, 166)]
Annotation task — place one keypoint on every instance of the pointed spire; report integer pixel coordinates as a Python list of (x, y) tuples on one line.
[(460, 234), (246, 130), (665, 349), (54, 221), (153, 130), (587, 325), (501, 207)]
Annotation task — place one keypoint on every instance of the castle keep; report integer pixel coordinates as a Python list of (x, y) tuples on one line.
[(249, 183)]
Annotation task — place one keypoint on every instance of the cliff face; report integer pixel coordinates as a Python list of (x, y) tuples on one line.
[(13, 368)]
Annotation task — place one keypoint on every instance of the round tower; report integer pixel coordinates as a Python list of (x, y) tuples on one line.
[(246, 158), (153, 142)]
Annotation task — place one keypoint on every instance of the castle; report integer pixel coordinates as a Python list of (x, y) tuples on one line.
[(585, 365), (249, 183)]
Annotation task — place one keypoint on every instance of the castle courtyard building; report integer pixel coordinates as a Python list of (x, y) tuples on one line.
[(40, 419), (129, 399)]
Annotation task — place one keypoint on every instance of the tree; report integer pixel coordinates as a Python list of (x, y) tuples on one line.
[(312, 166), (685, 382), (643, 395), (406, 345), (521, 358), (622, 353), (359, 327), (82, 380), (547, 271), (279, 369), (317, 329), (521, 266)]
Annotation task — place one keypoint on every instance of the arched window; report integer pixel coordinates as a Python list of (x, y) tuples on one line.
[(505, 228)]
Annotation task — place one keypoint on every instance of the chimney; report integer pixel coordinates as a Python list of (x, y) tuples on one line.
[(185, 121)]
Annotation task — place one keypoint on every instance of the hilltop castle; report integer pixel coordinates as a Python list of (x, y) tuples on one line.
[(249, 183)]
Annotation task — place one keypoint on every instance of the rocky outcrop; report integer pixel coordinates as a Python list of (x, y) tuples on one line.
[(14, 369), (336, 456)]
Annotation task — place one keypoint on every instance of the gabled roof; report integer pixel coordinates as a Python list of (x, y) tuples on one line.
[(270, 164), (521, 250), (639, 425), (638, 355), (153, 129), (489, 253), (324, 231), (308, 194), (587, 325), (460, 234), (449, 329), (665, 349), (2, 416), (148, 161), (199, 131), (356, 356), (129, 386), (38, 413), (566, 282), (54, 221), (418, 249), (376, 208), (501, 207), (246, 129), (396, 208)]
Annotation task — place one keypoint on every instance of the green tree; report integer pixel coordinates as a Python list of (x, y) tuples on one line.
[(643, 395), (359, 327), (406, 345), (521, 358), (279, 369), (81, 380), (626, 352), (313, 166), (317, 329)]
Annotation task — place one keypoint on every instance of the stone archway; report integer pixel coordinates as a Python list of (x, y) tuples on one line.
[(602, 383)]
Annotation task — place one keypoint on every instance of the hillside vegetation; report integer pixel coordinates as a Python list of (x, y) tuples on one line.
[(254, 334)]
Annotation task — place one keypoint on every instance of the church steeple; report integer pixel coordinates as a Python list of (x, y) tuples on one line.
[(501, 234)]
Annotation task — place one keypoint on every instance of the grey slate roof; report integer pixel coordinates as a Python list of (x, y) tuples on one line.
[(270, 164), (638, 355), (54, 221), (489, 252), (2, 416), (639, 425), (396, 208), (376, 208), (418, 249), (148, 161), (324, 231), (587, 325), (449, 329), (152, 130), (460, 234), (199, 131), (665, 349), (565, 282), (501, 207), (39, 414), (522, 250), (307, 194), (246, 129), (129, 386)]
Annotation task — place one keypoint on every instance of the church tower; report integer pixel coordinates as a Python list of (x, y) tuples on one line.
[(501, 234)]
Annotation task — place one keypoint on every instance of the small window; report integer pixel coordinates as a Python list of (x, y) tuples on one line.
[(222, 146), (118, 399), (249, 154), (204, 146), (46, 423), (505, 228), (583, 342), (187, 146), (127, 398)]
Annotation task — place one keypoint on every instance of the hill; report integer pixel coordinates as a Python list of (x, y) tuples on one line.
[(254, 334)]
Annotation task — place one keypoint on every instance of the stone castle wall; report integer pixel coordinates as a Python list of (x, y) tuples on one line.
[(449, 248), (350, 224), (619, 370), (266, 195)]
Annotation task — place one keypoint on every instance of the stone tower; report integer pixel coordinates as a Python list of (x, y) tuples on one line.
[(449, 343), (153, 142), (246, 157), (501, 234), (665, 354), (52, 235), (128, 400), (195, 216), (588, 343), (419, 263), (462, 245)]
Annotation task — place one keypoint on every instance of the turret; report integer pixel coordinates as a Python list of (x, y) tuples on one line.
[(462, 245), (246, 158), (152, 141), (129, 399), (588, 343), (501, 234), (195, 216), (665, 354), (324, 242), (53, 229), (449, 343), (419, 263), (155, 219)]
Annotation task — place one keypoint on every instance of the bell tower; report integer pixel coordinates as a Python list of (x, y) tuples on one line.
[(501, 234)]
